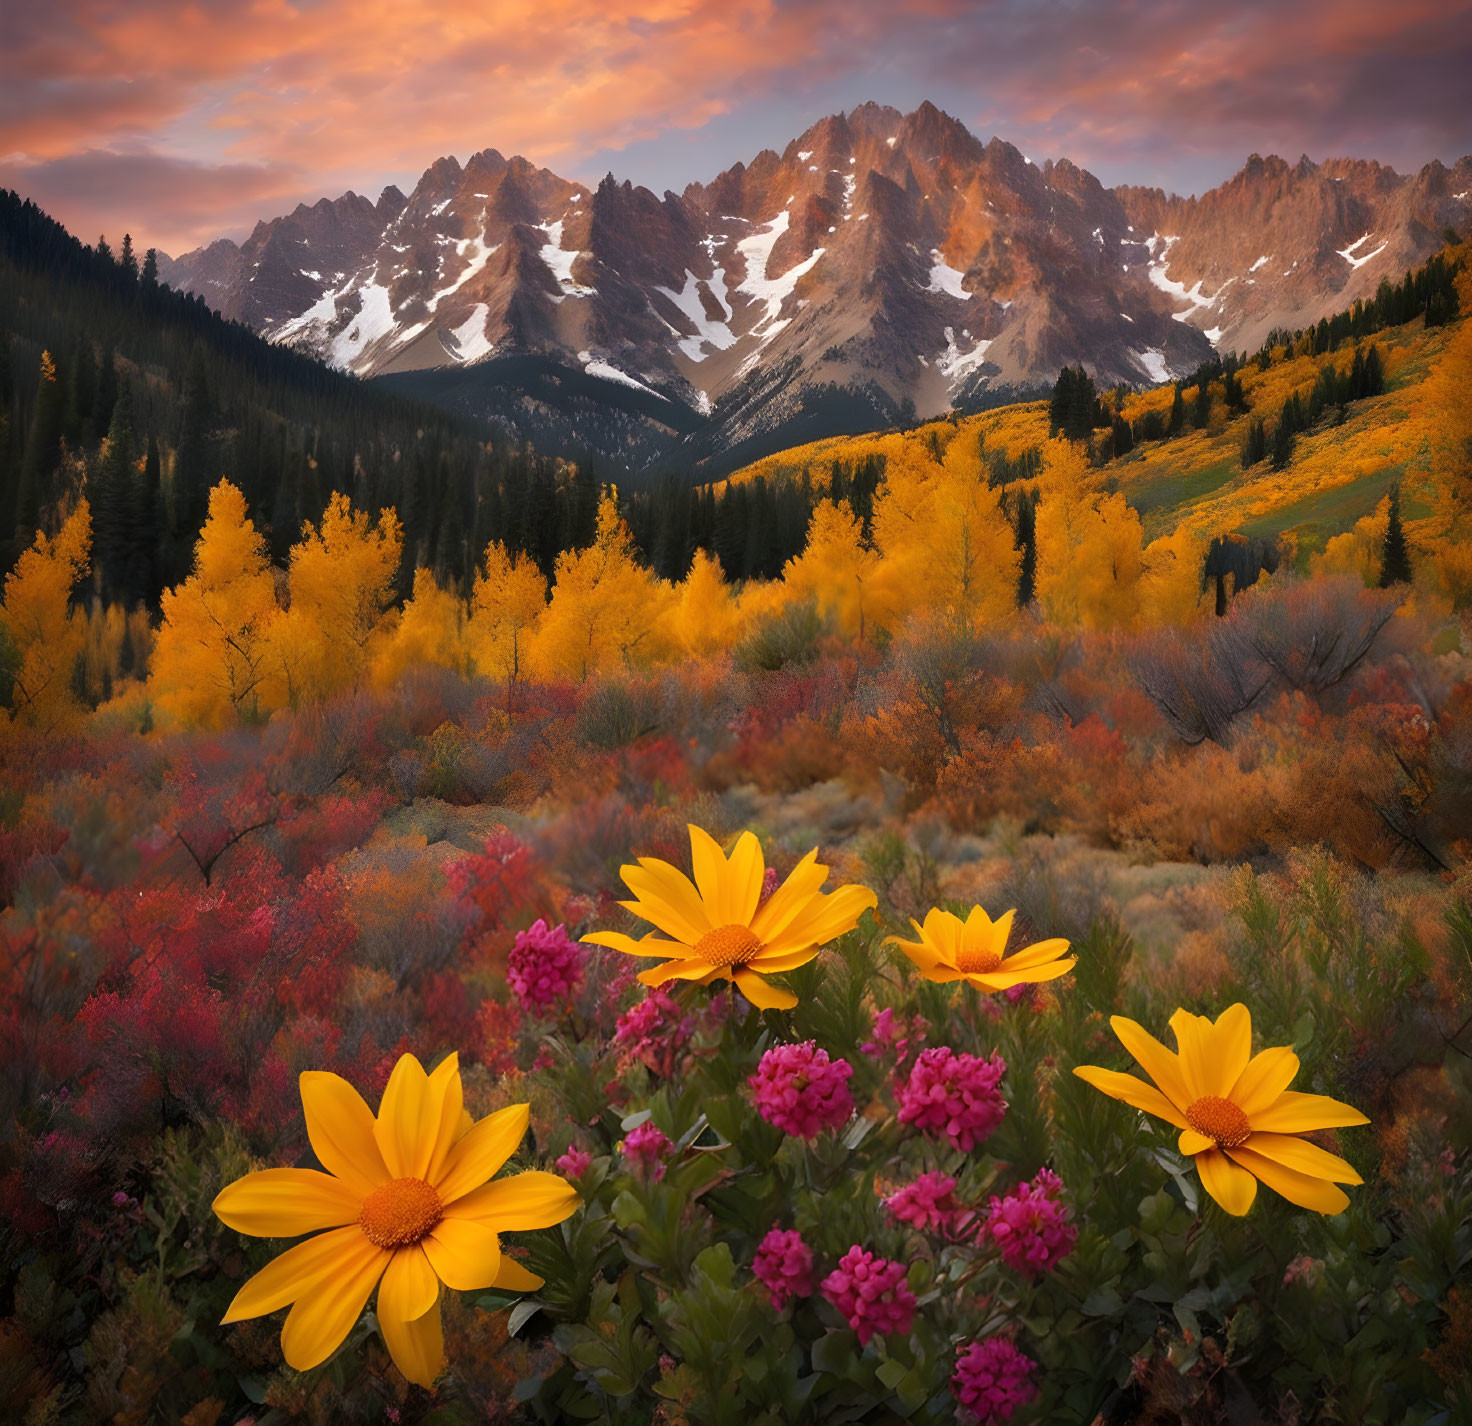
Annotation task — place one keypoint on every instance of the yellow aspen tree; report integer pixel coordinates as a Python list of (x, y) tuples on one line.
[(839, 571), (706, 618), (947, 545), (1089, 545), (46, 633), (606, 609), (342, 583), (211, 661), (430, 630), (510, 595)]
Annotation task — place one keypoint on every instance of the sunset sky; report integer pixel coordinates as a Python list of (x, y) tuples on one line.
[(184, 121)]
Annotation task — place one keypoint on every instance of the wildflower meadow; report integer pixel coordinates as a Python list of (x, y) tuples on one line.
[(722, 1045)]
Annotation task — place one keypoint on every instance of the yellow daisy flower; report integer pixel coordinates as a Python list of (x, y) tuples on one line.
[(405, 1199), (720, 928), (974, 950), (1237, 1117)]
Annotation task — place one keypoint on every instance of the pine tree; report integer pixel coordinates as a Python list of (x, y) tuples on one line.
[(191, 469), (100, 417), (128, 262), (113, 504), (36, 490), (1027, 543), (1396, 566), (1178, 413), (149, 275)]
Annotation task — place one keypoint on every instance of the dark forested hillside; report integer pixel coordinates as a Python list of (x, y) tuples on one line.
[(143, 398)]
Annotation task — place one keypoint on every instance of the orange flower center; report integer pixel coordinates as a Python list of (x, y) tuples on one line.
[(727, 946), (400, 1212), (1219, 1119), (977, 959)]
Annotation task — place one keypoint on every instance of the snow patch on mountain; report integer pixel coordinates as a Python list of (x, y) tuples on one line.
[(946, 279), (956, 364), (560, 263), (770, 291), (1348, 253), (1152, 363), (687, 299), (470, 340), (375, 319), (596, 367)]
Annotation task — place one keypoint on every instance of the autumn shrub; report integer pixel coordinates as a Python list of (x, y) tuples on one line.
[(793, 635)]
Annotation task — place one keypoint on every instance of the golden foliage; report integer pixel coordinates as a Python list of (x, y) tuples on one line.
[(510, 595), (47, 633), (213, 656)]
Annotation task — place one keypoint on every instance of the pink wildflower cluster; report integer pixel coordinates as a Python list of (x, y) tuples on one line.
[(545, 965), (575, 1162), (800, 1090), (871, 1292), (929, 1204), (953, 1094), (784, 1266), (654, 1030), (645, 1148), (1030, 1225), (895, 1034), (770, 882), (992, 1379)]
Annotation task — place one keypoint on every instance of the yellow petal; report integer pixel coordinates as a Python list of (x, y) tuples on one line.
[(1194, 1037), (340, 1127), (1230, 1050), (647, 946), (283, 1203), (1040, 953), (945, 933), (1233, 1187), (417, 1346), (446, 1092), (316, 1325), (525, 1200), (478, 1155), (512, 1277), (1306, 1191), (1007, 975), (1157, 1061), (675, 970), (1266, 1076), (1193, 1142), (744, 875), (298, 1269), (668, 900), (1302, 1157), (825, 919), (765, 964), (402, 1129), (465, 1253), (1293, 1113), (789, 900), (924, 955), (708, 862), (761, 993), (1001, 932), (410, 1287), (1134, 1092)]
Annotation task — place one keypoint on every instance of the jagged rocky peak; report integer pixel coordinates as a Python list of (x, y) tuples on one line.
[(884, 256)]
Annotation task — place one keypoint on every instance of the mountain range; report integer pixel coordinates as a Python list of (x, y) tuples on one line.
[(883, 265)]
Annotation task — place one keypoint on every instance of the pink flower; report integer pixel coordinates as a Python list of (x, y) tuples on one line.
[(654, 1030), (929, 1204), (953, 1094), (895, 1034), (871, 1292), (800, 1090), (770, 882), (1030, 1226), (545, 966), (992, 1379), (645, 1148), (575, 1162), (784, 1266)]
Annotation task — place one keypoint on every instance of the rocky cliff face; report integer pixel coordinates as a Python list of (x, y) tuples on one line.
[(880, 259)]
